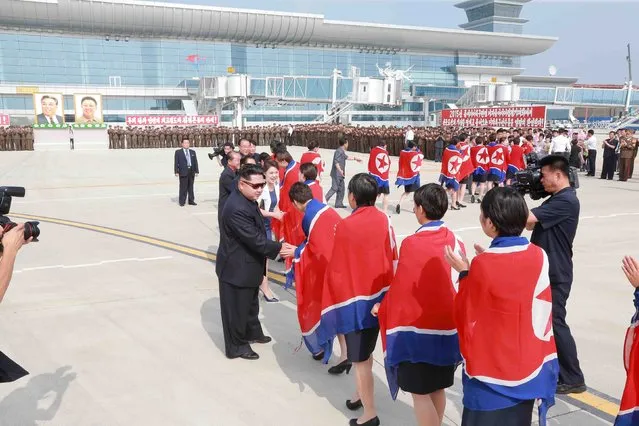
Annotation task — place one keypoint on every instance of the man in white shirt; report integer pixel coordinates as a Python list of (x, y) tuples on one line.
[(560, 145), (591, 146), (410, 136)]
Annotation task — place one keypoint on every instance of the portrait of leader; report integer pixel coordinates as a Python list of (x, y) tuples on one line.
[(88, 108), (49, 108)]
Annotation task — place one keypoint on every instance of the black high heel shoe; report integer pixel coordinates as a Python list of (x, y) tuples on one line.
[(345, 365), (372, 422), (353, 405), (319, 356)]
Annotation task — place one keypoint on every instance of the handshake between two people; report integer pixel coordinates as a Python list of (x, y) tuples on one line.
[(287, 250)]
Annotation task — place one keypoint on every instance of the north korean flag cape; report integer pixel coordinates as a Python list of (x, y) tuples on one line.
[(629, 408), (503, 313), (316, 190), (480, 158), (409, 164), (359, 273), (379, 165), (467, 164), (316, 159), (309, 269), (498, 161), (451, 164), (416, 316), (516, 159), (291, 224)]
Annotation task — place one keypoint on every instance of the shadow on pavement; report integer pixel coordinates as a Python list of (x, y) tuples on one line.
[(22, 406)]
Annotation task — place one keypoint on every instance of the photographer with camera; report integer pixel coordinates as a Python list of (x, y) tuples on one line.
[(221, 153), (554, 226), (12, 242)]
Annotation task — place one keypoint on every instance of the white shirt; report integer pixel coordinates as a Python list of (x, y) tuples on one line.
[(560, 144), (591, 142), (266, 196), (410, 135)]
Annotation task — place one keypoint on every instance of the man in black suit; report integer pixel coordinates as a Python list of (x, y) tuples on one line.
[(186, 169), (227, 182), (241, 264)]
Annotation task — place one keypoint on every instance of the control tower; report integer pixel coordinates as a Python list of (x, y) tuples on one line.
[(497, 16)]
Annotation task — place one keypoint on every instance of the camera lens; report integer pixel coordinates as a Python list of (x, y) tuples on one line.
[(31, 230)]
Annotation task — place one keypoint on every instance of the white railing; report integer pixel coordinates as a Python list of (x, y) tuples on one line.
[(336, 110)]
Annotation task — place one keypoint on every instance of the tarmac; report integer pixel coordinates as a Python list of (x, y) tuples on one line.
[(115, 311)]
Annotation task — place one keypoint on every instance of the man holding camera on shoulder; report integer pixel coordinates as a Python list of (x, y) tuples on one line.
[(554, 225), (12, 242)]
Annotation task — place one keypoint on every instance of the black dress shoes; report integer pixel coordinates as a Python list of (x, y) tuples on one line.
[(372, 422), (193, 204), (263, 339), (564, 389), (251, 356)]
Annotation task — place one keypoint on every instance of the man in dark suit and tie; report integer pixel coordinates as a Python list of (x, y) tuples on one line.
[(186, 169), (227, 182), (241, 264)]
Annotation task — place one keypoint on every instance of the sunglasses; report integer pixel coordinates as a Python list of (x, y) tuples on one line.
[(255, 185)]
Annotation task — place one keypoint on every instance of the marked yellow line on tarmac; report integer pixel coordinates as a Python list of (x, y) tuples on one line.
[(595, 403), (201, 254)]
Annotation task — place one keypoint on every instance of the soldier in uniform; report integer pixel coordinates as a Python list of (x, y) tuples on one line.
[(626, 152)]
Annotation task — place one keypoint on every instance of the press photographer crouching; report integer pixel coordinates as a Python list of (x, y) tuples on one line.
[(12, 237), (554, 225)]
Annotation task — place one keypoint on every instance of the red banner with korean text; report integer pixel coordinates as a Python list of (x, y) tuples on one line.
[(171, 120), (4, 120), (506, 117)]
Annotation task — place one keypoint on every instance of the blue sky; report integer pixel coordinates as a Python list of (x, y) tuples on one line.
[(592, 34)]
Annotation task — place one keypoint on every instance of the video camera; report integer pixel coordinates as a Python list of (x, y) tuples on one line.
[(30, 228), (528, 181), (217, 151)]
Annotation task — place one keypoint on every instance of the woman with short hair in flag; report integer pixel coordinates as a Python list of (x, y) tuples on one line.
[(421, 348), (504, 322)]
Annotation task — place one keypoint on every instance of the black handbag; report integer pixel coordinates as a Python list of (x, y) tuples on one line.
[(9, 370)]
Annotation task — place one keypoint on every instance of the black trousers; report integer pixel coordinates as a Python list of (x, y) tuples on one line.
[(569, 370), (239, 307), (609, 165), (518, 415), (186, 186), (592, 161)]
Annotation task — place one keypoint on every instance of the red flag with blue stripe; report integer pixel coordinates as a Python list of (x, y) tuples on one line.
[(629, 409), (416, 317)]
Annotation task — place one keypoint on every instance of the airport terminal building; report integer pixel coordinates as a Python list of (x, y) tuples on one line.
[(148, 58)]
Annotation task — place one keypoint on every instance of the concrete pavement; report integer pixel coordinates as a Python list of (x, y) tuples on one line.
[(121, 329)]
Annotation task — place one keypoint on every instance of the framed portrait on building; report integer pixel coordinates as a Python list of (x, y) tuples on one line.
[(88, 108), (49, 108)]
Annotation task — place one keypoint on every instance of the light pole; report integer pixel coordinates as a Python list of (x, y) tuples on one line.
[(629, 95)]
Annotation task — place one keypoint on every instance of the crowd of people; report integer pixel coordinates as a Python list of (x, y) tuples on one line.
[(16, 138)]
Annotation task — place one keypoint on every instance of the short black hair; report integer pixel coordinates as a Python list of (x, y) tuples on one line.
[(268, 164), (264, 156), (433, 199), (506, 209), (463, 137), (364, 189), (231, 154), (309, 171), (591, 132), (529, 138), (249, 170), (556, 163), (312, 145), (244, 139), (410, 145), (300, 192), (244, 160), (454, 140), (49, 97), (185, 138), (88, 98), (283, 156), (342, 142)]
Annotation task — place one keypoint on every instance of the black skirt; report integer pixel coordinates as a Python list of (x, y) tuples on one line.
[(423, 378), (361, 344), (9, 370), (411, 188)]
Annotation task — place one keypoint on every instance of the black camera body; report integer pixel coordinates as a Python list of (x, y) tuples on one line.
[(217, 151), (528, 181), (31, 229)]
